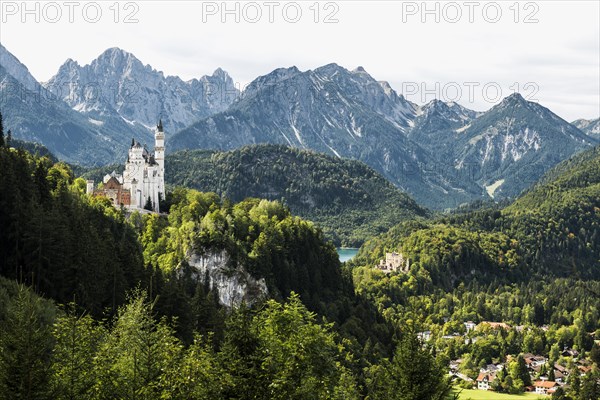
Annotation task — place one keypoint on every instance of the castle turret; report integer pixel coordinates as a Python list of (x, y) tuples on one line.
[(159, 156), (159, 145)]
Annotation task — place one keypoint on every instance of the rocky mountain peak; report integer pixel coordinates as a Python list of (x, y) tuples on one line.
[(17, 69), (117, 85)]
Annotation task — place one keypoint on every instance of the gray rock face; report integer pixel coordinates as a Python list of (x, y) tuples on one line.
[(441, 153), (233, 284), (33, 114), (515, 143), (87, 115), (118, 85)]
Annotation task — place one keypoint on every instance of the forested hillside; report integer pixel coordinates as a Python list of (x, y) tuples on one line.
[(553, 229), (346, 198), (532, 268), (97, 304)]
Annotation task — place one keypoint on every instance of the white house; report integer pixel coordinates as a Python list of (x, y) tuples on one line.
[(484, 380), (545, 387)]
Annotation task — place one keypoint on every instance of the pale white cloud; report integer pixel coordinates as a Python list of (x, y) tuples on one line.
[(560, 53)]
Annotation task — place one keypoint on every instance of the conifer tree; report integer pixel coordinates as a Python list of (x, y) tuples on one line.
[(76, 345), (136, 355), (1, 131), (520, 371), (25, 345), (148, 206), (413, 374)]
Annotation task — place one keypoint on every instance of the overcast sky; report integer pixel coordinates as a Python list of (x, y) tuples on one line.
[(548, 50)]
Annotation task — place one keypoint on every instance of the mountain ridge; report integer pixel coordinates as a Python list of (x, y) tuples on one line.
[(443, 153), (116, 84)]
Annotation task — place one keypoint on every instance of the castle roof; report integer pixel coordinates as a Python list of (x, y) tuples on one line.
[(135, 143)]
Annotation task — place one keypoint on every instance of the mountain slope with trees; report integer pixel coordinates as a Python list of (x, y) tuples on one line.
[(349, 200), (134, 320), (552, 229), (533, 266)]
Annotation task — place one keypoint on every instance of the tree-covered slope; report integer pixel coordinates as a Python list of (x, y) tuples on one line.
[(65, 245), (551, 230), (347, 198), (72, 248)]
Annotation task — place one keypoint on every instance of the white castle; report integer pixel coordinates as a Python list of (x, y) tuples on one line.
[(142, 184)]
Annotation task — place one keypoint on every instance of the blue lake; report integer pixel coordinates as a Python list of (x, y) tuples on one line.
[(346, 253)]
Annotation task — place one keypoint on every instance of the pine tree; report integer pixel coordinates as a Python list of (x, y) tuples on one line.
[(413, 374), (148, 206), (77, 340), (521, 372), (551, 376), (1, 131), (25, 346), (139, 351), (559, 394), (9, 138), (574, 381), (590, 389)]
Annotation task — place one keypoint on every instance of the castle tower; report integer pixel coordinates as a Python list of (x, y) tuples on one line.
[(159, 157), (159, 147)]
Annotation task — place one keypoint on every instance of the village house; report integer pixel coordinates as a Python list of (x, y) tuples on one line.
[(534, 362), (492, 368), (494, 325), (559, 377), (584, 369), (569, 353), (484, 380), (470, 325), (545, 387), (394, 262), (562, 369)]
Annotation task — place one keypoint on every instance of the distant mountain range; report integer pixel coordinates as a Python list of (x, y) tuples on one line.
[(339, 112), (87, 114), (505, 149), (117, 85), (441, 153), (590, 127)]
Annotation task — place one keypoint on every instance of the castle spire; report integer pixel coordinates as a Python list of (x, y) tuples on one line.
[(159, 126)]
